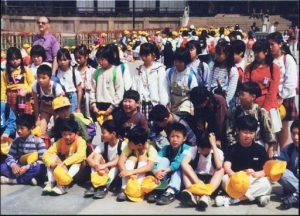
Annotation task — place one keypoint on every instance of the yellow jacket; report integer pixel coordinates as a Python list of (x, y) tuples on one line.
[(73, 155), (7, 84)]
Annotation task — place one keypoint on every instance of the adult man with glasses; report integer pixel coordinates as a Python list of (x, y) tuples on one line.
[(48, 41)]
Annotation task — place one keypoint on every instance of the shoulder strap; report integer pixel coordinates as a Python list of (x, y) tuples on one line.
[(139, 116), (114, 75), (74, 77), (290, 150), (284, 59), (195, 161), (6, 111), (119, 149), (54, 89), (201, 67), (171, 71), (97, 73), (105, 153), (122, 68), (190, 78), (38, 90), (213, 160)]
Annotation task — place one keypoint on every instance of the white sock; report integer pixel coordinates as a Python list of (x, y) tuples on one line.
[(129, 165), (74, 169), (171, 190), (50, 176), (140, 177)]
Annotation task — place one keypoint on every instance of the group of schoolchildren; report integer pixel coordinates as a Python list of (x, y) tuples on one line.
[(193, 128)]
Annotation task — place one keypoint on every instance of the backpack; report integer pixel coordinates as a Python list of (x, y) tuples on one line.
[(88, 122), (119, 150), (38, 91), (194, 162), (183, 43), (189, 119), (190, 78), (56, 79), (200, 72), (100, 70)]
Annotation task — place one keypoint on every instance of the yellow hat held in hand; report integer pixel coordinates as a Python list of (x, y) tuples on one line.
[(98, 180), (274, 169), (201, 189), (148, 184), (60, 102), (37, 131), (282, 111), (61, 176), (134, 191), (237, 185), (5, 146), (29, 158), (100, 119)]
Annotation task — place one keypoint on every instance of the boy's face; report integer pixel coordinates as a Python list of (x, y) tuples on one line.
[(37, 60), (64, 112), (106, 136), (103, 63), (162, 124), (246, 137), (295, 136), (137, 147), (129, 105), (148, 59), (246, 98), (80, 59), (176, 139), (193, 52), (43, 80), (238, 57), (180, 66), (23, 131), (204, 151), (274, 47), (69, 137)]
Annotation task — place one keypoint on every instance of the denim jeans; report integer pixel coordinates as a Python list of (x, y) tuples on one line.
[(73, 100), (289, 182)]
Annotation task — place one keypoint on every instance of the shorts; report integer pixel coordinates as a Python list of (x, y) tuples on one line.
[(291, 109)]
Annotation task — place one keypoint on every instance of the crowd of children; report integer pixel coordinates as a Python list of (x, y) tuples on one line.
[(203, 116)]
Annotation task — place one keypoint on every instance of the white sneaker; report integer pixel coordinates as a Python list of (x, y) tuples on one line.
[(263, 200), (48, 188), (5, 180), (204, 202), (33, 182), (59, 190), (225, 201)]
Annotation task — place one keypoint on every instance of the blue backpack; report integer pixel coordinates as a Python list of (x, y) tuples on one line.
[(190, 78)]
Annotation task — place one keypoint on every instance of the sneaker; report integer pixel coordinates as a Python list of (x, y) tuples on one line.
[(263, 200), (152, 197), (225, 201), (48, 188), (5, 180), (100, 192), (166, 198), (33, 182), (204, 202), (290, 201), (89, 192), (188, 198), (121, 197), (59, 190)]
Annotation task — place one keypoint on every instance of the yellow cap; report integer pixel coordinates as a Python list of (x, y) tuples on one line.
[(103, 35), (5, 146), (148, 184), (98, 180), (66, 47), (133, 190), (26, 45), (37, 131), (282, 111), (60, 102), (61, 176), (201, 189), (237, 185), (274, 169), (174, 33), (29, 158)]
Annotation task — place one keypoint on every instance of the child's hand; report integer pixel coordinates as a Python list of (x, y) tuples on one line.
[(4, 137), (160, 174), (78, 110), (101, 172), (249, 171), (126, 173), (102, 167), (23, 170), (96, 111), (15, 169), (212, 139)]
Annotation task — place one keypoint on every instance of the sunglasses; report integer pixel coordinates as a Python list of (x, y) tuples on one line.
[(43, 23)]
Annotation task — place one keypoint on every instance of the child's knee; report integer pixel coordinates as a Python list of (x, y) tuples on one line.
[(142, 158)]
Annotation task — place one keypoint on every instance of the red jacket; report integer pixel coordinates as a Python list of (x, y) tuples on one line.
[(268, 85)]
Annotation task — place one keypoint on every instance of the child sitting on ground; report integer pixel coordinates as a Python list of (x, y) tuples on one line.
[(67, 154), (24, 163), (104, 159)]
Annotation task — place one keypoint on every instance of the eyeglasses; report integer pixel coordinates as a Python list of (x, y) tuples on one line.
[(43, 23)]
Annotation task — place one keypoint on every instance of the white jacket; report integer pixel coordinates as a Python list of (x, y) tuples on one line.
[(151, 83)]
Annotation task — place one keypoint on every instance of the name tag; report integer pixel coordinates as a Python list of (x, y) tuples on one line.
[(256, 159), (266, 81)]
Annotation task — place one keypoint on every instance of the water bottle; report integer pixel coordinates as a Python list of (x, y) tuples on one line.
[(21, 101)]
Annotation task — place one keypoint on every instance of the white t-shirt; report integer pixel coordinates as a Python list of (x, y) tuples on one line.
[(58, 90), (204, 165), (34, 68), (66, 79), (112, 152)]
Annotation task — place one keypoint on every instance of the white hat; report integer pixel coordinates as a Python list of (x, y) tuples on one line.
[(192, 27)]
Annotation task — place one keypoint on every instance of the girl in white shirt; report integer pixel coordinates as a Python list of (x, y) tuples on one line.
[(107, 83), (288, 82), (150, 80), (81, 54), (38, 57), (44, 91)]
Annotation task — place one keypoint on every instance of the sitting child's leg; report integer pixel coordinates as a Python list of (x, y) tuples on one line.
[(7, 172), (142, 161), (44, 118), (129, 165), (74, 169), (217, 178)]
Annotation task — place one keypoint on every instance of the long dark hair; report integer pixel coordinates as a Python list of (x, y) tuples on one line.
[(224, 46), (262, 45), (13, 52), (168, 55)]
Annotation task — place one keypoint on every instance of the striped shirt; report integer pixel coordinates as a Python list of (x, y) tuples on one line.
[(21, 147), (228, 83)]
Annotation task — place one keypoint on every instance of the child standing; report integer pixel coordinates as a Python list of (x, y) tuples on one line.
[(17, 169), (16, 82), (38, 57), (8, 122), (137, 158), (224, 73), (107, 83), (181, 80), (238, 49), (150, 79), (68, 152), (168, 166), (203, 165), (44, 91), (86, 71), (104, 158), (69, 78), (288, 82)]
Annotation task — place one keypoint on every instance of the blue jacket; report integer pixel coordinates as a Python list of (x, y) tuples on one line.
[(290, 154), (8, 125)]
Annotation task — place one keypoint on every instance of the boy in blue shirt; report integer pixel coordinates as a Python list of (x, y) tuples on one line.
[(168, 167)]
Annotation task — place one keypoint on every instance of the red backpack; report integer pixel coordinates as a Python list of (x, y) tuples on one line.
[(183, 43)]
